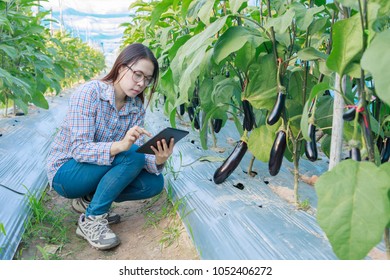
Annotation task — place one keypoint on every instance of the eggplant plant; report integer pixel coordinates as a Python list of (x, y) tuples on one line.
[(33, 62), (288, 52)]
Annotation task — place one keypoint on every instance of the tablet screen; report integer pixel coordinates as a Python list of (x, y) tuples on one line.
[(166, 134)]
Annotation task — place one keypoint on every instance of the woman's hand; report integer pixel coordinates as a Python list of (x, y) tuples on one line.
[(163, 151), (131, 136)]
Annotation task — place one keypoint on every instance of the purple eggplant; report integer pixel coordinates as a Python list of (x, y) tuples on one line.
[(278, 108), (311, 150), (249, 117), (277, 153), (231, 163)]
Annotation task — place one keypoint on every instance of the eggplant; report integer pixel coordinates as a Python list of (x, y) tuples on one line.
[(181, 109), (231, 163), (249, 117), (379, 144), (277, 153), (354, 154), (311, 151), (278, 108), (349, 115), (217, 124), (193, 117), (227, 74), (191, 113), (385, 153)]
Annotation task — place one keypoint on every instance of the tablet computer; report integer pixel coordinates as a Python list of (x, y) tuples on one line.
[(166, 134)]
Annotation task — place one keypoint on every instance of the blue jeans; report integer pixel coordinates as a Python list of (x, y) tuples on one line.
[(125, 179)]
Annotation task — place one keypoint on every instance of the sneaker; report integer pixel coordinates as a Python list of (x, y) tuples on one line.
[(95, 230), (81, 204)]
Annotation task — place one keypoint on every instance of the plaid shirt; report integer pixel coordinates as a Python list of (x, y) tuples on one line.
[(92, 124)]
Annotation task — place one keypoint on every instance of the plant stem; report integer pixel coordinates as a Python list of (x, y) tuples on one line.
[(387, 242), (362, 88), (296, 153), (251, 166), (273, 39), (213, 133)]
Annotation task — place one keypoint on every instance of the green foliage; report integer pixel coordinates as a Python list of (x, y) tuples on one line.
[(44, 226), (353, 206), (2, 229), (33, 62), (376, 59), (224, 52), (347, 45)]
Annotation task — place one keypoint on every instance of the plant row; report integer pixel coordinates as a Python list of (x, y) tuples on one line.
[(279, 69), (34, 60)]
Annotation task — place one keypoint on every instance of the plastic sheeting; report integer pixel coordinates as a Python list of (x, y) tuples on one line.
[(226, 222), (24, 145)]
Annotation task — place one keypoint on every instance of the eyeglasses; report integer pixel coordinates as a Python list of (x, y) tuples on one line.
[(138, 76)]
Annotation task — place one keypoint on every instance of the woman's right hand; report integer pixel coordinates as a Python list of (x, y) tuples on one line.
[(130, 138)]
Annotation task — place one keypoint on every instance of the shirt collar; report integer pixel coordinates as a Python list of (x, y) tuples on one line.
[(108, 94)]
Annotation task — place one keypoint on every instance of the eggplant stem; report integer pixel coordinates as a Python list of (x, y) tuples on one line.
[(251, 166)]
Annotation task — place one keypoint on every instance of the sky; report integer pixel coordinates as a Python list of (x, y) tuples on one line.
[(94, 21)]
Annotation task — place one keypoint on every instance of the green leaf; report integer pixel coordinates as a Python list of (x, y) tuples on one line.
[(384, 6), (324, 113), (262, 88), (206, 11), (158, 10), (350, 4), (353, 206), (235, 5), (319, 88), (190, 74), (11, 51), (234, 39), (311, 53), (281, 23), (184, 7), (191, 56), (245, 57), (347, 44), (376, 60), (177, 44), (261, 140), (39, 99), (2, 229), (304, 15), (224, 90), (325, 144)]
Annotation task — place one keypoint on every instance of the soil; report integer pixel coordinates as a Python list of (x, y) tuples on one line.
[(142, 238)]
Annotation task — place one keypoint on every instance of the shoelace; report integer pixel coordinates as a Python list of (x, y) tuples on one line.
[(97, 227)]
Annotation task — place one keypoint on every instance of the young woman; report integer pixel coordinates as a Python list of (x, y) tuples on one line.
[(93, 159)]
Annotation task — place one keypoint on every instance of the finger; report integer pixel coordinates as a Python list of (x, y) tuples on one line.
[(172, 143), (144, 131), (164, 145), (154, 150), (159, 146)]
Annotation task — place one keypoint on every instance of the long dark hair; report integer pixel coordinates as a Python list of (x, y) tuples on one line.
[(130, 55)]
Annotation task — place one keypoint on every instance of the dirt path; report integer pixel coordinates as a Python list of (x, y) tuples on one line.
[(149, 230)]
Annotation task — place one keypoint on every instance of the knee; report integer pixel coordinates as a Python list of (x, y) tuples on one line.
[(131, 157), (157, 187)]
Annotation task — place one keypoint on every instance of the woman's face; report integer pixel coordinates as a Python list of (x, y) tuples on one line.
[(133, 79)]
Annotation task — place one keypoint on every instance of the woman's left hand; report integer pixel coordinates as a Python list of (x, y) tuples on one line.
[(163, 151)]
